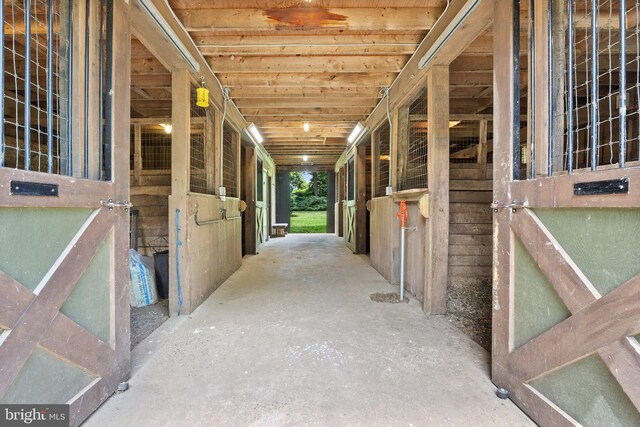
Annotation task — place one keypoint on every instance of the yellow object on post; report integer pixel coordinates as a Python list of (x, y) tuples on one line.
[(202, 97)]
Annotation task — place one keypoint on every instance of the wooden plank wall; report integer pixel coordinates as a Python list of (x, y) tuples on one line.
[(385, 244), (150, 196), (214, 251), (470, 228)]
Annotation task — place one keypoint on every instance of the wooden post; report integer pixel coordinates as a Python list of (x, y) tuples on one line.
[(238, 164), (361, 199), (541, 87), (137, 153), (504, 105), (437, 247), (393, 172), (217, 143), (482, 149), (375, 163), (209, 150), (402, 142), (180, 137)]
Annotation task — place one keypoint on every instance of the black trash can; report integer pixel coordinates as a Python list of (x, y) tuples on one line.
[(161, 261)]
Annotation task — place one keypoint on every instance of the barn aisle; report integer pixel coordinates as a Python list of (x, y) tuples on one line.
[(293, 338)]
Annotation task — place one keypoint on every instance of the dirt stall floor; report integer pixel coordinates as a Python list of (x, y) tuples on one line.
[(145, 320), (469, 309)]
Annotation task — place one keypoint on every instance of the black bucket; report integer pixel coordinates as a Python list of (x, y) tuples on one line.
[(161, 261)]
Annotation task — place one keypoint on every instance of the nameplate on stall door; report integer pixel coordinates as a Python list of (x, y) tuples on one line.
[(23, 188), (599, 188)]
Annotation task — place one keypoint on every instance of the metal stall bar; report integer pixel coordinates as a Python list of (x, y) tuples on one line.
[(570, 83), (87, 12), (623, 86), (594, 85), (50, 6), (552, 110), (101, 89), (516, 90), (109, 84), (27, 85), (70, 93), (532, 84), (2, 85)]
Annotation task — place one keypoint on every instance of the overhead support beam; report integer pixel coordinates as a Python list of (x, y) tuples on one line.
[(299, 19), (306, 64)]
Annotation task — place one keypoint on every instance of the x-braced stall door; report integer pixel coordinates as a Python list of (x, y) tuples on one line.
[(566, 291), (64, 220), (350, 207)]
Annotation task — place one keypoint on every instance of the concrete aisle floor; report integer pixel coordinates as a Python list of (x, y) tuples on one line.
[(293, 339)]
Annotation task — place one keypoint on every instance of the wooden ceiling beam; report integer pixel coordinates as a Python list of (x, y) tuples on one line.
[(310, 79), (306, 64), (262, 51), (306, 111), (308, 19), (302, 103), (304, 92), (306, 117), (211, 40)]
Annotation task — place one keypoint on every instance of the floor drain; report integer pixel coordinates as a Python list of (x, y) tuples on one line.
[(392, 298)]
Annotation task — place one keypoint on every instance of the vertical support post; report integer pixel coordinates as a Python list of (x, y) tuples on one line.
[(595, 113), (217, 143), (541, 80), (504, 101), (623, 85), (101, 91), (120, 135), (394, 149), (437, 245), (137, 154), (180, 136), (209, 151), (361, 198), (77, 89), (108, 95), (27, 85), (238, 169), (402, 143), (50, 6), (558, 71), (482, 147), (375, 163), (550, 95)]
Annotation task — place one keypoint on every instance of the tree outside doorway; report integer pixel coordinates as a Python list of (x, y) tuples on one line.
[(308, 202)]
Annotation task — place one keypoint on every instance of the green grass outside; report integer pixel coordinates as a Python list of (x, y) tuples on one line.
[(308, 222)]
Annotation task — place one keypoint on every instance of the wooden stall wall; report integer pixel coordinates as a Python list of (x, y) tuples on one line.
[(470, 229), (214, 250), (385, 244)]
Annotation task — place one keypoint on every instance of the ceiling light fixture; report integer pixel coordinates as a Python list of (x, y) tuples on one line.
[(167, 127), (355, 133), (155, 14), (306, 126), (305, 158), (255, 133)]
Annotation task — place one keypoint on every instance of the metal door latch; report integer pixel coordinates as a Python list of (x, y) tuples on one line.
[(514, 206), (111, 204)]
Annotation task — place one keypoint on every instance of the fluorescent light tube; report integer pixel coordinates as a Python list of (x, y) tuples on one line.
[(255, 133), (355, 133)]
